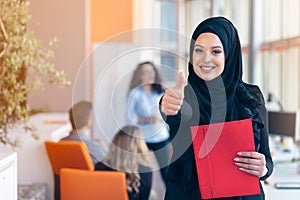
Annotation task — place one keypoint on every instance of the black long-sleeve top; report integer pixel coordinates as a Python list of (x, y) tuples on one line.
[(182, 176)]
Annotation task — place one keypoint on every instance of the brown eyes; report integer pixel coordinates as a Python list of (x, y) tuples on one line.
[(217, 51), (214, 52), (197, 50)]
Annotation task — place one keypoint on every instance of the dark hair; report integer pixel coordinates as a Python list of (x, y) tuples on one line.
[(136, 81), (80, 114)]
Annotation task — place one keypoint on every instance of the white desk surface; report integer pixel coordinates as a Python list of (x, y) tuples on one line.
[(283, 172), (33, 162)]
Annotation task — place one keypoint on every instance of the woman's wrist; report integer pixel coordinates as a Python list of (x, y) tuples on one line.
[(264, 172)]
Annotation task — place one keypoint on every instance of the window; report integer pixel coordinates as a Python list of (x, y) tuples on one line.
[(278, 58), (281, 51)]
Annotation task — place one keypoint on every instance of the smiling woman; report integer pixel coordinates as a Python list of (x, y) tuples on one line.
[(215, 93)]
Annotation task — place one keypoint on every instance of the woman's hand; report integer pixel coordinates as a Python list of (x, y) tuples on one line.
[(149, 120), (252, 163), (173, 98)]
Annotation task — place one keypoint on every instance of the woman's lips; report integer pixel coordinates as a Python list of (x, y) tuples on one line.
[(207, 68)]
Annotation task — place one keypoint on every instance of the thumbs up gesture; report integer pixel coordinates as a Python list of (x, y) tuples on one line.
[(173, 98)]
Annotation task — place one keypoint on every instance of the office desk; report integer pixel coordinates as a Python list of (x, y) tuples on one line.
[(283, 172), (33, 162)]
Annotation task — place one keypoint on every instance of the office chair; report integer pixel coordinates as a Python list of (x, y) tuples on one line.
[(67, 154), (77, 184)]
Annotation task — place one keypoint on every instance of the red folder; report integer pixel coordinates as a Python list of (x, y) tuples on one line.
[(215, 147)]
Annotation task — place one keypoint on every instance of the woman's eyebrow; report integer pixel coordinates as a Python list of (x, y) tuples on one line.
[(198, 45), (213, 47)]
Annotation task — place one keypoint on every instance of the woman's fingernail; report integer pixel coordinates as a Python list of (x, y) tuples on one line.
[(236, 159), (240, 153)]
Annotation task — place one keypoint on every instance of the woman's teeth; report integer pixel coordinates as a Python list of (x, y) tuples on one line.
[(206, 68)]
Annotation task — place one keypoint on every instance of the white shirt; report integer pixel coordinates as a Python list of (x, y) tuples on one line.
[(144, 105)]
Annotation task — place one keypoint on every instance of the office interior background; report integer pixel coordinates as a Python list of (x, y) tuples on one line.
[(100, 43), (269, 32)]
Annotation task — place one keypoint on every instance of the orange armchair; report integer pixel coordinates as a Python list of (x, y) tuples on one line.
[(76, 184), (67, 154)]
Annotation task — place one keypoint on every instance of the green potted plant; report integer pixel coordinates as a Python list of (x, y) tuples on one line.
[(24, 66)]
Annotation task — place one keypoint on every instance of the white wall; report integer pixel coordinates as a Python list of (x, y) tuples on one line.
[(113, 65)]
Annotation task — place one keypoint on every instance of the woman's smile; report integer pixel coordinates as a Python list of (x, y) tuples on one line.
[(207, 69)]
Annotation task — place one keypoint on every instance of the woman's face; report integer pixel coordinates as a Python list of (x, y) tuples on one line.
[(147, 74), (208, 56)]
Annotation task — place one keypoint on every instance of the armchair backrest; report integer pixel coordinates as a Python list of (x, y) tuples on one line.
[(68, 154), (76, 184)]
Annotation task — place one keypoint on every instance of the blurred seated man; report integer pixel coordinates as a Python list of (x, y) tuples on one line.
[(81, 118)]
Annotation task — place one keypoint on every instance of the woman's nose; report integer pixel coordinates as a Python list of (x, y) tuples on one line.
[(206, 57)]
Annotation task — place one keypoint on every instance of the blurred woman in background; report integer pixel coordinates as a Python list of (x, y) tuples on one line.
[(128, 153), (145, 91)]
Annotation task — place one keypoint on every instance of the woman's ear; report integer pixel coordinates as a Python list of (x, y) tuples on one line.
[(89, 123)]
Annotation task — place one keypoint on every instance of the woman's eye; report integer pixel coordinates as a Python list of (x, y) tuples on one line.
[(198, 50), (217, 51)]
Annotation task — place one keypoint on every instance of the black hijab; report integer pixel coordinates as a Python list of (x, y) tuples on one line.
[(220, 99)]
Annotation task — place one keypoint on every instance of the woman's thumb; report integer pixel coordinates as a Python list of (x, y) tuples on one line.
[(180, 80)]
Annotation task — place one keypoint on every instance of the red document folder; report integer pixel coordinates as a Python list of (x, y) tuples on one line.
[(215, 147)]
